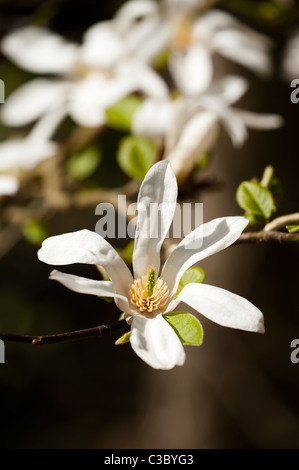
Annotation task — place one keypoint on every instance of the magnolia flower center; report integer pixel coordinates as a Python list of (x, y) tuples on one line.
[(148, 293), (182, 28), (82, 71)]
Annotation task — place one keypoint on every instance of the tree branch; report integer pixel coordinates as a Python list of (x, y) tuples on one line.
[(95, 332), (264, 237)]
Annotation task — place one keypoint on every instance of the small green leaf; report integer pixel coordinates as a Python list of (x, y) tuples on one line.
[(292, 228), (203, 162), (83, 164), (120, 115), (254, 198), (35, 231), (136, 155), (191, 275), (186, 326), (123, 339)]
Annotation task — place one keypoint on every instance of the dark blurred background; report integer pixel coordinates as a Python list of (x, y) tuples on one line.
[(239, 390)]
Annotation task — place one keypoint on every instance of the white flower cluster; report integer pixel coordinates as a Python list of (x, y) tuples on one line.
[(119, 57)]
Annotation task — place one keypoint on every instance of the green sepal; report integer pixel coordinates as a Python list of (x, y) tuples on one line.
[(123, 339)]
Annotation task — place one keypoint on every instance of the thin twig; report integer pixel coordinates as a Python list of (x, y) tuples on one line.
[(265, 237), (95, 332)]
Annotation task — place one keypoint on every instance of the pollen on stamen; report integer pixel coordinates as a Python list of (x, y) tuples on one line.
[(139, 294)]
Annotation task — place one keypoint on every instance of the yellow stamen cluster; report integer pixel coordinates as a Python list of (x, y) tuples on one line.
[(149, 294)]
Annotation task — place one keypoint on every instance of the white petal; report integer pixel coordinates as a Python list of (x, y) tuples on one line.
[(25, 153), (240, 48), (208, 24), (142, 78), (197, 137), (153, 118), (86, 286), (102, 45), (290, 61), (87, 247), (135, 10), (93, 95), (259, 120), (204, 241), (234, 126), (224, 92), (192, 71), (215, 21), (32, 100), (223, 307), (156, 343), (47, 125), (9, 185), (146, 40), (156, 205), (39, 50)]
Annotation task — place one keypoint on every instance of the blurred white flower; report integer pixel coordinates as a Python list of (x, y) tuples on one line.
[(217, 32), (89, 78), (190, 125), (191, 38), (9, 185), (24, 153), (147, 296), (290, 62)]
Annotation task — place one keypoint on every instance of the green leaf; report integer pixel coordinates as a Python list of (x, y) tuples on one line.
[(204, 161), (136, 155), (120, 115), (186, 326), (35, 231), (83, 164), (292, 228), (123, 339), (254, 198), (191, 275)]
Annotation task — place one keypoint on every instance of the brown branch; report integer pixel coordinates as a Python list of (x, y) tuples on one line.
[(95, 332), (265, 237)]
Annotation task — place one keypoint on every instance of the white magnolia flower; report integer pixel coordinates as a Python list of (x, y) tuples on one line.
[(192, 38), (150, 293), (191, 125), (217, 32), (89, 77)]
